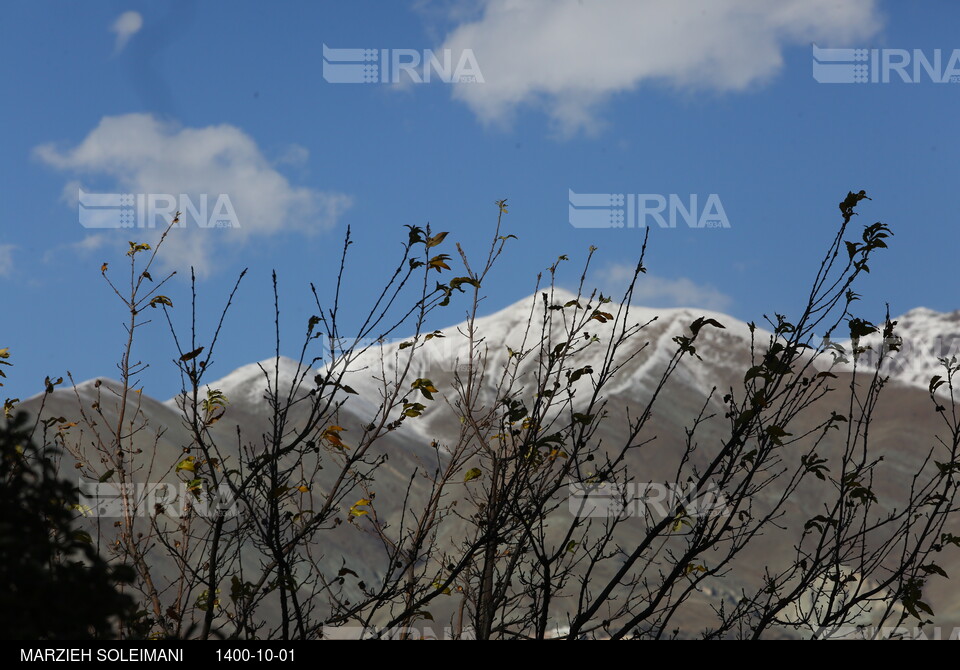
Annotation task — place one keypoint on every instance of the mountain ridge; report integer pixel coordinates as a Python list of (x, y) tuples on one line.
[(926, 336)]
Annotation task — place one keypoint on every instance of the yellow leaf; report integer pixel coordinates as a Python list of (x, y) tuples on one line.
[(303, 489), (355, 508), (472, 473), (438, 262), (186, 464), (85, 510), (332, 436), (134, 248), (436, 239), (161, 300)]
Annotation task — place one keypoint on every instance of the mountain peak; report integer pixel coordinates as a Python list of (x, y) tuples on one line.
[(249, 381)]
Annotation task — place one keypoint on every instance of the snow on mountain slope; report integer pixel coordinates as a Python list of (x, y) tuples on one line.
[(902, 424), (925, 336), (517, 339), (520, 337), (249, 382), (390, 367)]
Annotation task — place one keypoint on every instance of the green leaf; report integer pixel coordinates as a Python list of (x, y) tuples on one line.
[(472, 473), (187, 464), (106, 475), (413, 409), (136, 248), (426, 387), (161, 300), (203, 600)]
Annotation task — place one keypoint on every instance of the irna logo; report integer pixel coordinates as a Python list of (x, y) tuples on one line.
[(144, 210), (393, 66)]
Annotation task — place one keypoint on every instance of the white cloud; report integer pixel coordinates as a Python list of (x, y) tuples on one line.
[(653, 291), (6, 260), (126, 26), (84, 247), (294, 155), (569, 56), (138, 153)]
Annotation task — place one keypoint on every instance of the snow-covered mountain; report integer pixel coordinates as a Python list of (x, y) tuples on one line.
[(921, 338), (924, 337), (504, 355)]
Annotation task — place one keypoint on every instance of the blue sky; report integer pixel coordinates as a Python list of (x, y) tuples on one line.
[(627, 97)]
